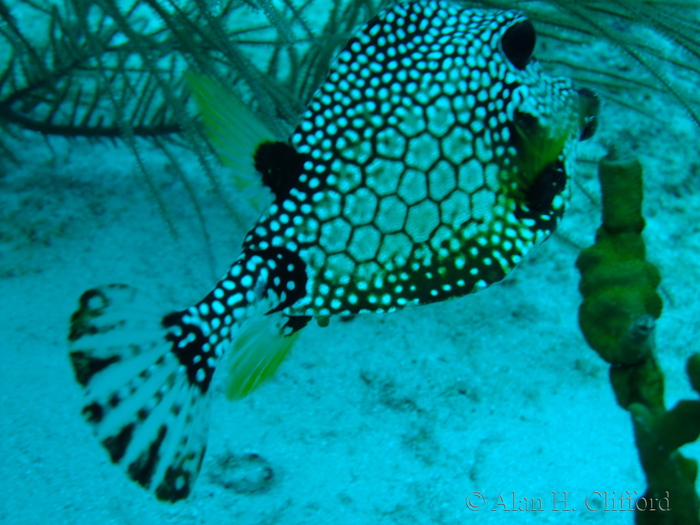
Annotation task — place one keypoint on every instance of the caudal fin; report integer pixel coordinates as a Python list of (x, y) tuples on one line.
[(147, 393)]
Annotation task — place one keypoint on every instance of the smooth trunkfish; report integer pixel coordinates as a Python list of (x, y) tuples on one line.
[(433, 158)]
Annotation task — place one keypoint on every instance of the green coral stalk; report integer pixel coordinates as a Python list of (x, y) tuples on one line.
[(617, 318), (618, 285)]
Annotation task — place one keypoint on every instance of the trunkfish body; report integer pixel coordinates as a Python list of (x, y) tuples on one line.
[(433, 158)]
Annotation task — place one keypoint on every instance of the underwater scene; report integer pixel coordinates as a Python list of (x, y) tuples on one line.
[(349, 261)]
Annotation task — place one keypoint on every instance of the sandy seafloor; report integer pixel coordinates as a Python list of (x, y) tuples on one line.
[(382, 419)]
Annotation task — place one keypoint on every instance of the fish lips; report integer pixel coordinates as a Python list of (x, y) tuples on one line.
[(590, 107)]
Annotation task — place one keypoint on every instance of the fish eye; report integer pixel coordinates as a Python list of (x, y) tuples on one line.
[(518, 43)]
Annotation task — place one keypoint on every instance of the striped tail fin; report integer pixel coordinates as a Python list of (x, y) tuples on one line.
[(147, 377), (143, 399)]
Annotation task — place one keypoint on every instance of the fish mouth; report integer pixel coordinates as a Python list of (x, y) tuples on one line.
[(540, 161), (537, 146), (542, 147), (590, 107)]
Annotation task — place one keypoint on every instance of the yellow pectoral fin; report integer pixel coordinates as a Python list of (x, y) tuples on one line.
[(233, 129), (255, 355), (538, 149)]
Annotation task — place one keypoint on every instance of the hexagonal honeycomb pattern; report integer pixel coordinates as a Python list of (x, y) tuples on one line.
[(335, 235), (395, 249), (360, 206), (365, 243), (381, 176), (441, 180), (392, 214), (423, 219), (405, 158), (423, 152), (455, 209), (413, 186)]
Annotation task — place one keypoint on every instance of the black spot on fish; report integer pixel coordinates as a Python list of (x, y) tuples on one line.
[(117, 445), (86, 366), (92, 305), (141, 470), (177, 482), (289, 267), (280, 166), (113, 400), (297, 322), (538, 189), (548, 183), (142, 414), (93, 412), (81, 321)]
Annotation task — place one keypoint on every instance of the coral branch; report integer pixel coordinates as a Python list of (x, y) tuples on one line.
[(617, 318)]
